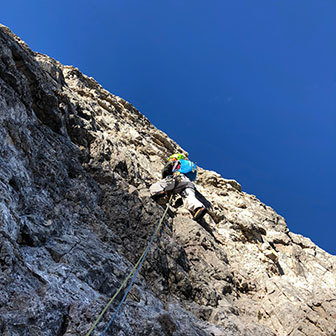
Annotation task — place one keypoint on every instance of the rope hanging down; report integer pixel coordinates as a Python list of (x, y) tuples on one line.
[(135, 269)]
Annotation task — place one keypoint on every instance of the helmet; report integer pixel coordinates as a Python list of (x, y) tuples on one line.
[(177, 156)]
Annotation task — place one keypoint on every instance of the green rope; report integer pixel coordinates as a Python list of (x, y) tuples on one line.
[(130, 274)]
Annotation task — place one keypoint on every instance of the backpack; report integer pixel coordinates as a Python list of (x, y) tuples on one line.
[(187, 168)]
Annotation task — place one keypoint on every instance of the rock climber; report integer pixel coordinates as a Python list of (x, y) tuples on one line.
[(177, 177)]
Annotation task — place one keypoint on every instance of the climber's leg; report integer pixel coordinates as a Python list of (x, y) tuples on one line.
[(160, 189), (193, 204)]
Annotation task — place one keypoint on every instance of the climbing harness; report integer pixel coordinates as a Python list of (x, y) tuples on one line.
[(135, 270)]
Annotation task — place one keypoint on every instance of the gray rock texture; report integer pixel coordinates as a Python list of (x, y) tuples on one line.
[(76, 163)]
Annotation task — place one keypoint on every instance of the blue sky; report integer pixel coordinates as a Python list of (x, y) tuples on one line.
[(246, 87)]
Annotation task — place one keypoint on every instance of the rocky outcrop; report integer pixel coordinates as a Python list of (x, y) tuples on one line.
[(75, 215)]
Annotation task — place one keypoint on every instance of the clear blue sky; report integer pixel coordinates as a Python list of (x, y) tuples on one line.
[(247, 87)]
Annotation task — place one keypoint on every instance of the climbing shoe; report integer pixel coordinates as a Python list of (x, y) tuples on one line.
[(199, 213), (178, 203), (160, 198)]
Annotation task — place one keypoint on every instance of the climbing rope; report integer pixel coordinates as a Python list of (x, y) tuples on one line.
[(135, 270)]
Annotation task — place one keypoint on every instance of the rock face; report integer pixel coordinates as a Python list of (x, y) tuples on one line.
[(75, 215)]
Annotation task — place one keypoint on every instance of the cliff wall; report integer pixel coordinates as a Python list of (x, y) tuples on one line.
[(76, 163)]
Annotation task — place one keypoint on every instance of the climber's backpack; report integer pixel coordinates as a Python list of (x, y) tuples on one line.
[(187, 168)]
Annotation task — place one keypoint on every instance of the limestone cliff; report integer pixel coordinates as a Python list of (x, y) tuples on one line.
[(75, 214)]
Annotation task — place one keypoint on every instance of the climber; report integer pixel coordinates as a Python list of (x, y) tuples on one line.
[(178, 175)]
